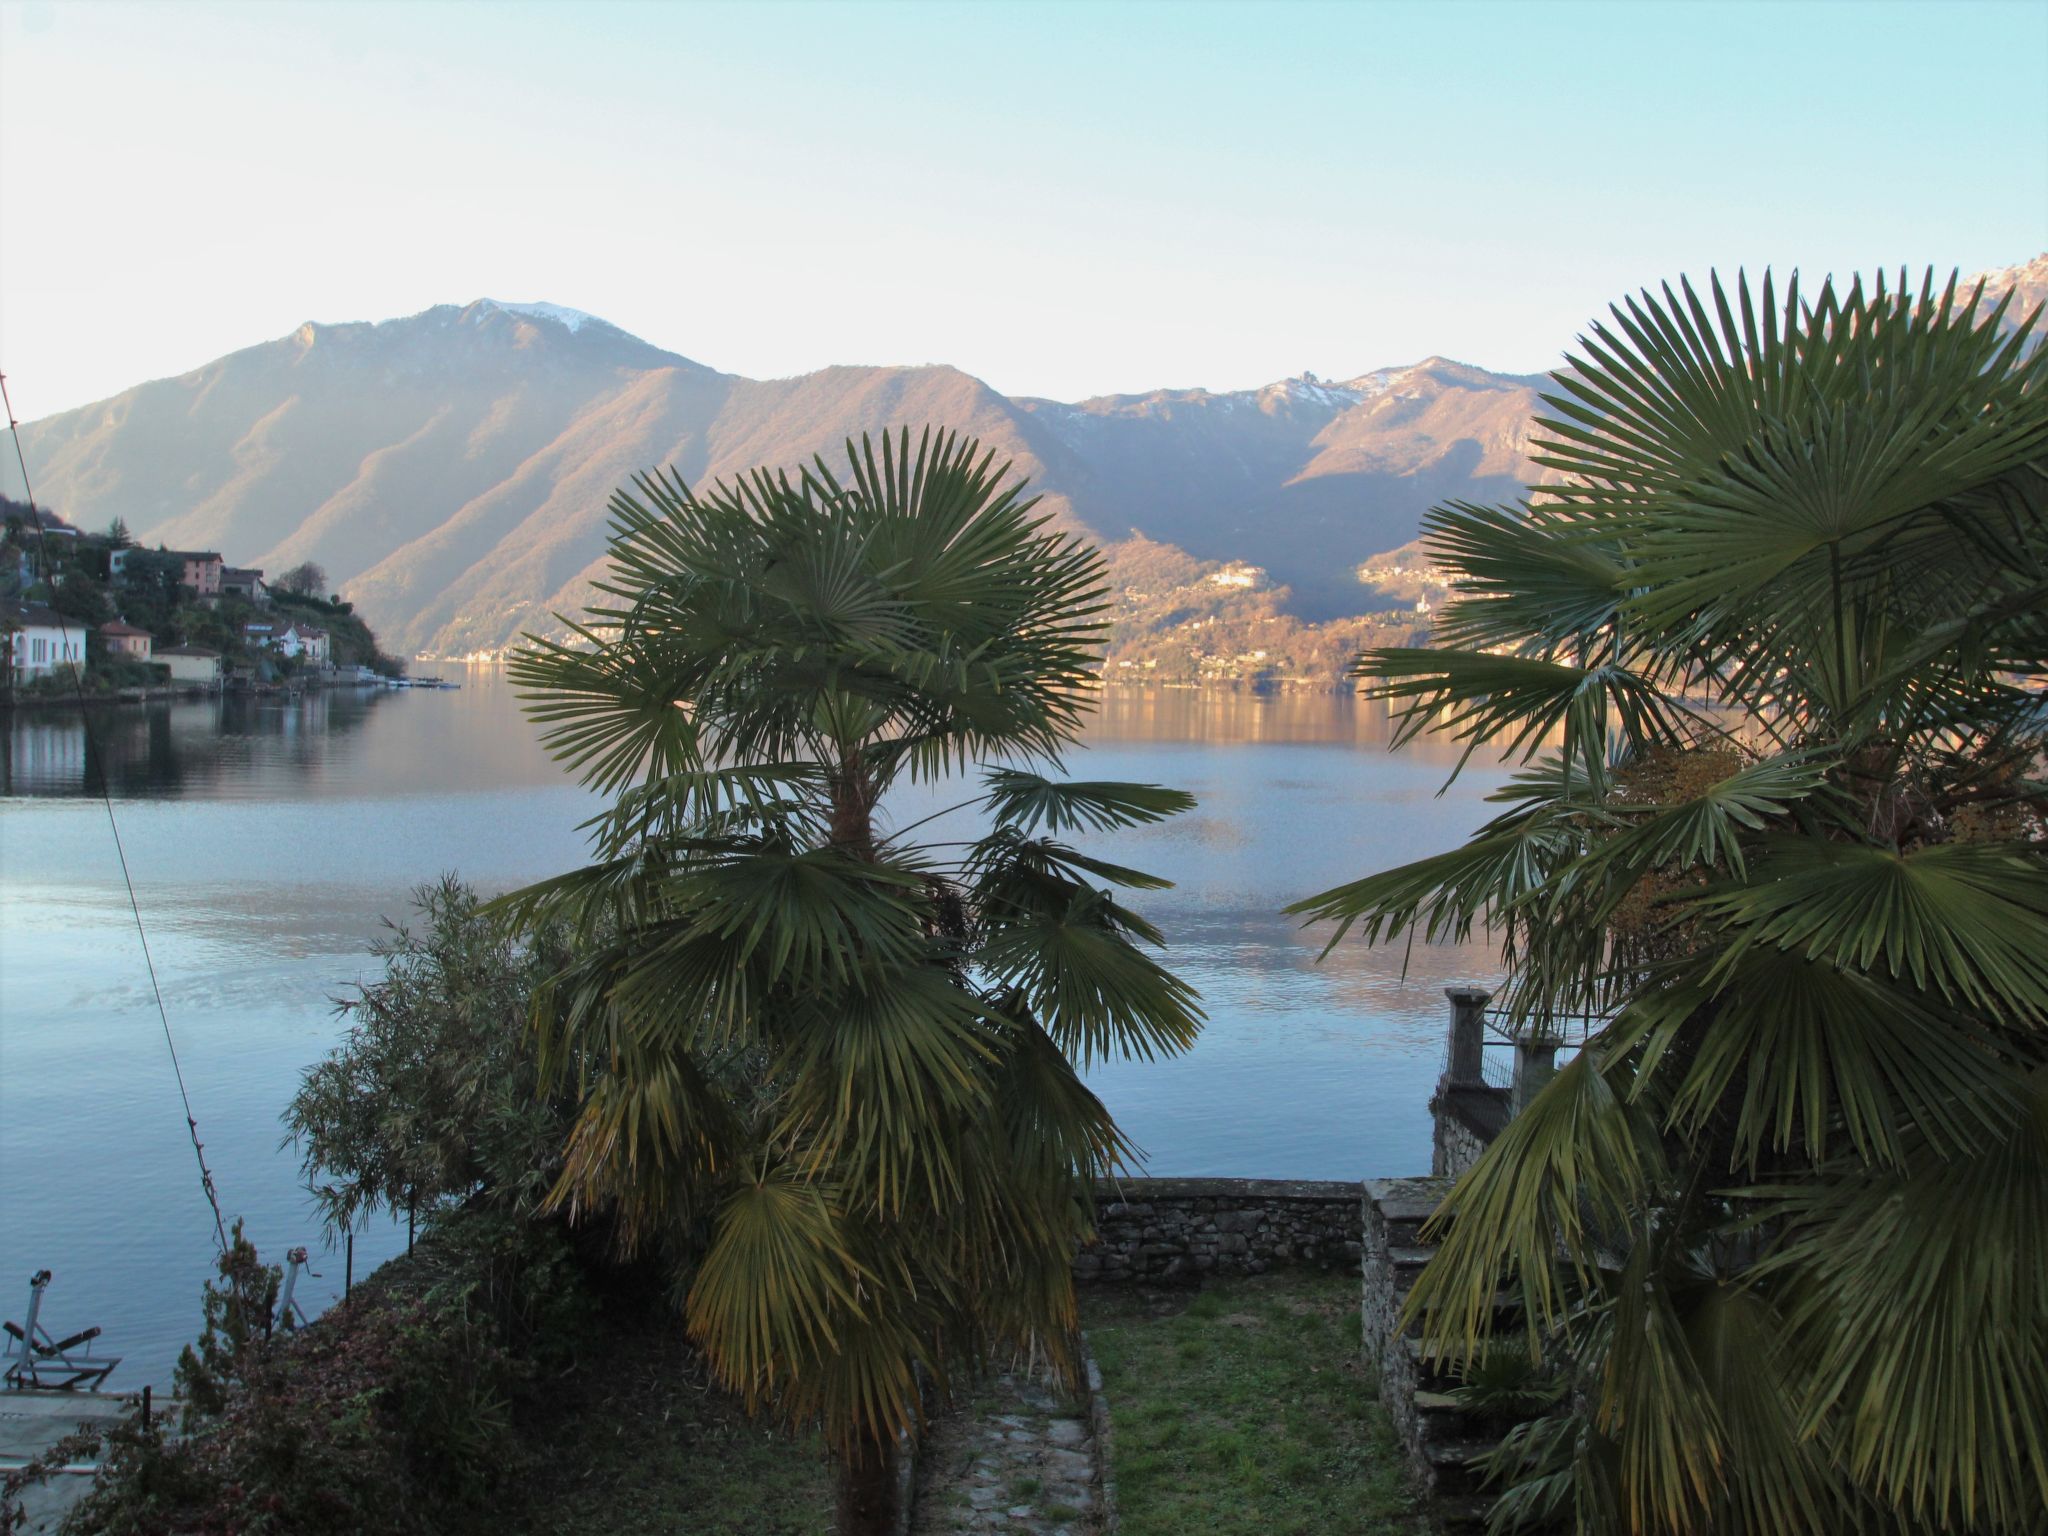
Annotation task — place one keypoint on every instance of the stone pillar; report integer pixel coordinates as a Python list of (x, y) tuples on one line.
[(1535, 1065), (1467, 1068)]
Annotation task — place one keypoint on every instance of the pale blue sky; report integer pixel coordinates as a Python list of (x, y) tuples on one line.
[(1065, 199)]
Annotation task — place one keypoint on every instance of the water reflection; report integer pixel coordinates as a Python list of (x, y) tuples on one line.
[(268, 837), (1239, 718), (179, 747), (327, 740)]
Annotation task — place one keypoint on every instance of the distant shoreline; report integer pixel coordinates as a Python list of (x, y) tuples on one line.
[(1334, 685), (170, 694), (1234, 685), (147, 696)]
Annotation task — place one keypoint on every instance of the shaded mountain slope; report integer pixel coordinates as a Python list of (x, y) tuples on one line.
[(545, 525)]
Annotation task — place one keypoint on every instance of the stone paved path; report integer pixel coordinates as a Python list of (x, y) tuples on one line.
[(1016, 1457)]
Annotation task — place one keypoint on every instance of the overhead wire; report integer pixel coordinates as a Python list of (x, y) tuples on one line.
[(97, 764)]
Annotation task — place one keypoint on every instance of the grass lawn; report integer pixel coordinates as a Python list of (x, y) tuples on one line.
[(637, 1440), (1242, 1409)]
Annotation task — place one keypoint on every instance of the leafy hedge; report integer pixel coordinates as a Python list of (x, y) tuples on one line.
[(392, 1415)]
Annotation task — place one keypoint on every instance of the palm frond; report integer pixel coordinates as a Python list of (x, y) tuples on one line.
[(1096, 994), (1532, 1212), (778, 1285), (1962, 919), (1028, 801), (1515, 705), (1917, 1299)]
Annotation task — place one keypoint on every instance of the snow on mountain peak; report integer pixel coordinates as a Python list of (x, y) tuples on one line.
[(1308, 387), (561, 314)]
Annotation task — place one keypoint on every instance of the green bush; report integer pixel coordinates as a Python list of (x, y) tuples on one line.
[(393, 1415), (435, 1095)]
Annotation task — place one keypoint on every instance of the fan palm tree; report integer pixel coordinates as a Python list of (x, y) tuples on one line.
[(1770, 658), (838, 1084)]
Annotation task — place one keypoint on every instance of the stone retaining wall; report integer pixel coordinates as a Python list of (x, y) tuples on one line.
[(1467, 1118), (1395, 1210), (1181, 1229)]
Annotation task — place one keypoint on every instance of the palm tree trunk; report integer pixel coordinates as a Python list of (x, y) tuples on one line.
[(854, 793), (867, 1491)]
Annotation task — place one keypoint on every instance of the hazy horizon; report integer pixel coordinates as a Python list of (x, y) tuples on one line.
[(1064, 202)]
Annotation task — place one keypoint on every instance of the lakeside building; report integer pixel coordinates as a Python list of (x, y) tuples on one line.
[(308, 640), (292, 638), (40, 641), (126, 641), (191, 664)]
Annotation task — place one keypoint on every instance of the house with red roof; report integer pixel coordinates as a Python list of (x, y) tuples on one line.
[(125, 642)]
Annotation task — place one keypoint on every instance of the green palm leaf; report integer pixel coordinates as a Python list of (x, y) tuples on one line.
[(1028, 801), (1576, 1164), (1964, 919), (1517, 704), (1780, 617), (1097, 995), (778, 1283), (1708, 830), (1801, 1053), (1918, 1299)]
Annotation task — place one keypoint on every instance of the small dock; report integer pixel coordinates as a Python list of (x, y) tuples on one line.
[(32, 1420)]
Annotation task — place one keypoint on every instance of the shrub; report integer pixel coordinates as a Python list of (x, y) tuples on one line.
[(434, 1096), (392, 1415)]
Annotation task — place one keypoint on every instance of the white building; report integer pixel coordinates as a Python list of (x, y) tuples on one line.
[(41, 640), (1239, 574), (290, 639), (306, 640), (191, 664)]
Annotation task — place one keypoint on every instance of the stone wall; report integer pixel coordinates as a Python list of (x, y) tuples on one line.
[(1454, 1148), (1182, 1229), (1395, 1210), (1466, 1118), (1439, 1434)]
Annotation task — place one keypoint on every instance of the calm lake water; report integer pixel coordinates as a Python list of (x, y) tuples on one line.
[(267, 840)]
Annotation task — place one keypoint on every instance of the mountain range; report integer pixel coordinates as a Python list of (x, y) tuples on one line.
[(450, 470)]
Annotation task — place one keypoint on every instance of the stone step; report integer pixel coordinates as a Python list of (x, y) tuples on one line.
[(1459, 1513), (1428, 1377), (1431, 1379), (1440, 1412), (1405, 1204), (1506, 1315), (1458, 1451), (1450, 1465)]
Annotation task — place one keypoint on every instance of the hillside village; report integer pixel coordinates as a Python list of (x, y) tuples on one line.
[(98, 609), (1182, 621), (97, 613)]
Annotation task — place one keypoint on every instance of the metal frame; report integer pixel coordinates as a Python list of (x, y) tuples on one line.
[(289, 1314), (35, 1359)]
